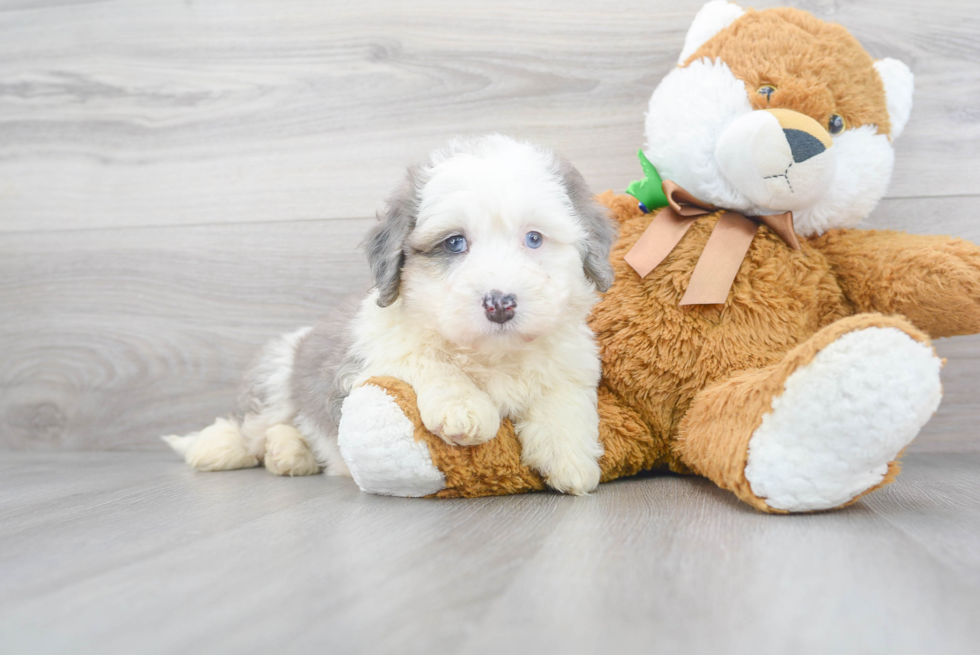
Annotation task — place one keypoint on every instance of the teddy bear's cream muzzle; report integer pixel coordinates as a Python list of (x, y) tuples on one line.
[(780, 159)]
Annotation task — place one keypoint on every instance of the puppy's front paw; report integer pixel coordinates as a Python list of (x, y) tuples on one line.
[(460, 420), (572, 472), (563, 447)]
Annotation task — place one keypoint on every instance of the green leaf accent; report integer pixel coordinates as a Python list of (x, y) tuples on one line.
[(649, 191)]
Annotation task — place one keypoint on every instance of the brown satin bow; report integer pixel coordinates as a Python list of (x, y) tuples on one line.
[(718, 264)]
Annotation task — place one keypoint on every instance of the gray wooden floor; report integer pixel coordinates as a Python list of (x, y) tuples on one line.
[(180, 181), (134, 553)]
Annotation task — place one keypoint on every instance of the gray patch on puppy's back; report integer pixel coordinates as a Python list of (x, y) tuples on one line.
[(302, 378), (264, 389), (324, 371), (600, 229), (347, 372), (317, 359)]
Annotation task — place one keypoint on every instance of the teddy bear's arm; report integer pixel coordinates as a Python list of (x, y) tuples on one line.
[(932, 280), (413, 462)]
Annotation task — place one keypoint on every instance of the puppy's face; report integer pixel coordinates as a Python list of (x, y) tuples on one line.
[(504, 245)]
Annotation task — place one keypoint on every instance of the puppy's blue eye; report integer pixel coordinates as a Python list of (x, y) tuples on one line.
[(456, 243), (533, 239)]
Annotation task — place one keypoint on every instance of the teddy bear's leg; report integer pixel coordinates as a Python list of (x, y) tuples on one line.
[(377, 439), (822, 427)]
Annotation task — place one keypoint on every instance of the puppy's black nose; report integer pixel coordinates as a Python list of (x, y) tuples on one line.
[(500, 308)]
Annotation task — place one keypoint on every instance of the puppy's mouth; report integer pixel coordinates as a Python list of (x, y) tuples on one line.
[(505, 328), (514, 333)]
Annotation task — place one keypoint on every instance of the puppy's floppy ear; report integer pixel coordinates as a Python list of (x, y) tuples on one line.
[(385, 243), (600, 230)]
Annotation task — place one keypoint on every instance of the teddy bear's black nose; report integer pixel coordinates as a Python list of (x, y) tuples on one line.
[(803, 144), (500, 307)]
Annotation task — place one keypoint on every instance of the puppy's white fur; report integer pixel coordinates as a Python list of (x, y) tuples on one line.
[(426, 323)]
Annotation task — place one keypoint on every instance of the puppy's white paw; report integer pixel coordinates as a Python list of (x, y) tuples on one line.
[(464, 419), (571, 472), (286, 452), (560, 440)]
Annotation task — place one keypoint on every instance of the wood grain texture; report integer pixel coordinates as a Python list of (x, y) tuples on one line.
[(113, 337), (164, 112), (133, 552), (180, 181)]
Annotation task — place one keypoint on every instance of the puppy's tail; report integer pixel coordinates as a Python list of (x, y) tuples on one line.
[(181, 444), (218, 447)]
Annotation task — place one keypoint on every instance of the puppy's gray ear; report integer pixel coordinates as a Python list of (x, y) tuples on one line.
[(600, 230), (385, 244)]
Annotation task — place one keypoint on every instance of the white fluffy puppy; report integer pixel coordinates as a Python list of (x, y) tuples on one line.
[(486, 263)]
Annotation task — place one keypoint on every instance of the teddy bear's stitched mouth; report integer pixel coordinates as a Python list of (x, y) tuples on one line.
[(784, 175)]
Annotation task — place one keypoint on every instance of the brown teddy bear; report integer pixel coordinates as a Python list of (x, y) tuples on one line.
[(768, 345)]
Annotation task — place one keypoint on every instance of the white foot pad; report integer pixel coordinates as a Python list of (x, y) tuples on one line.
[(842, 418), (377, 441)]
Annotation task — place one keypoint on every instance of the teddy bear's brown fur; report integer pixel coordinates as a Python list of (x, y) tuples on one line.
[(684, 388), (828, 73)]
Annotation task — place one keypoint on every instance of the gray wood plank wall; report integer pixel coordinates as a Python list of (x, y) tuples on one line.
[(180, 181)]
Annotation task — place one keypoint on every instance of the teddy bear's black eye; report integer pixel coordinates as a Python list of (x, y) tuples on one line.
[(836, 124), (767, 90)]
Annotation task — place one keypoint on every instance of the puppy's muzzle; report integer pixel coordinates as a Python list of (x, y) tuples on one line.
[(500, 308)]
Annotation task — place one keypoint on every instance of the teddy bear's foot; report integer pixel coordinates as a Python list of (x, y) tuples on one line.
[(378, 443), (823, 426), (842, 419)]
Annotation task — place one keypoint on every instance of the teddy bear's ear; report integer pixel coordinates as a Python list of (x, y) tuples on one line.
[(713, 18), (899, 83)]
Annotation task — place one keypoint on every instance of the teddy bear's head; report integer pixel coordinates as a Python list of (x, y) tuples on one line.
[(773, 111)]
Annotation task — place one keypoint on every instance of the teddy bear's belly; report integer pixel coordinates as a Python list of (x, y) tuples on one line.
[(657, 355)]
